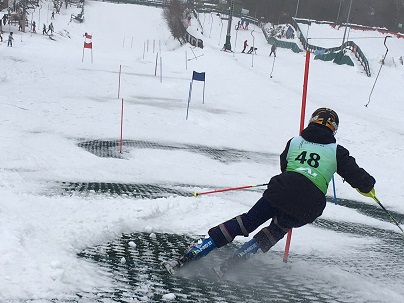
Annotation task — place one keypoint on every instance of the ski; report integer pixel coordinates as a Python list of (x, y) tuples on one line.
[(227, 265), (171, 266), (193, 253), (239, 256), (221, 269)]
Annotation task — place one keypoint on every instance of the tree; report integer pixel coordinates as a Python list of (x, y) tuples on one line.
[(174, 14), (22, 8), (386, 13)]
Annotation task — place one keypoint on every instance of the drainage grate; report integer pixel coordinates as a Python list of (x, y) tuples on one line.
[(134, 261), (110, 149), (150, 191)]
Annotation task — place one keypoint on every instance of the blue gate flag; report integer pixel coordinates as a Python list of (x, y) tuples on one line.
[(198, 76)]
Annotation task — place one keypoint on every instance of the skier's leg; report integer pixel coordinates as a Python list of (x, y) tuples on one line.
[(277, 229), (243, 224), (225, 233), (263, 240)]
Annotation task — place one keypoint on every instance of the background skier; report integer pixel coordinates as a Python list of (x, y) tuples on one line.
[(10, 39), (245, 46)]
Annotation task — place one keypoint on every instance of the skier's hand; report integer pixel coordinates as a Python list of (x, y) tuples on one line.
[(370, 194)]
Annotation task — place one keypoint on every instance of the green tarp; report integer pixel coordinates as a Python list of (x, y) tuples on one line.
[(325, 57), (338, 58)]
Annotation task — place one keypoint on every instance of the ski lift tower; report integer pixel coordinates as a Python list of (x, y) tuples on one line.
[(227, 45)]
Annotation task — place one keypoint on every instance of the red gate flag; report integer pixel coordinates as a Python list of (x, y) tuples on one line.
[(88, 44)]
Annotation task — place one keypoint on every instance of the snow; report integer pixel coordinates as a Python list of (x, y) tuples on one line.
[(169, 297), (51, 101)]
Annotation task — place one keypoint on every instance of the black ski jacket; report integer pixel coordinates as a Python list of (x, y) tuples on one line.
[(295, 195)]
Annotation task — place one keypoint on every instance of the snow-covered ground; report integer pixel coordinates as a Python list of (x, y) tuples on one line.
[(51, 100)]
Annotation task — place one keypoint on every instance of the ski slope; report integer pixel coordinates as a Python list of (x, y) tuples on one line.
[(60, 131)]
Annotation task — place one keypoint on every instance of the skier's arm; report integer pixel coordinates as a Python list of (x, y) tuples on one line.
[(356, 176), (283, 155)]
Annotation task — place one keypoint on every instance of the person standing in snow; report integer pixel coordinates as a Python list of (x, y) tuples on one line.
[(296, 196), (245, 46), (50, 28), (10, 39), (44, 31), (33, 27), (251, 50)]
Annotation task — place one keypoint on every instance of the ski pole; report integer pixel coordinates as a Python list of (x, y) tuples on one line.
[(196, 194), (387, 212), (381, 65), (273, 64), (372, 195)]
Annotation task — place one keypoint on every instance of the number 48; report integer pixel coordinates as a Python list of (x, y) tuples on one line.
[(312, 161)]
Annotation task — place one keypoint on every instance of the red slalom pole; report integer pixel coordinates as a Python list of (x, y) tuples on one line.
[(302, 114), (119, 81), (304, 97), (195, 194), (120, 144)]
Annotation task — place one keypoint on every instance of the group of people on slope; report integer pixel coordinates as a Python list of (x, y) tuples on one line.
[(254, 49), (45, 30), (242, 24)]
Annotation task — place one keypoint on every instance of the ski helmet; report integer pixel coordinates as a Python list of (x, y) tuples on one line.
[(327, 117)]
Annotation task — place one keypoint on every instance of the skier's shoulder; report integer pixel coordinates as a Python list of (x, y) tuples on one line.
[(342, 152)]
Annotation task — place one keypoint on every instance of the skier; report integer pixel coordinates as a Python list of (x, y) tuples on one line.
[(10, 39), (251, 50), (50, 28), (293, 198), (44, 31), (245, 46), (33, 27)]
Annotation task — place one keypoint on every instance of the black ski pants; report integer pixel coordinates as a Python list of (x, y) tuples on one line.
[(246, 223)]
